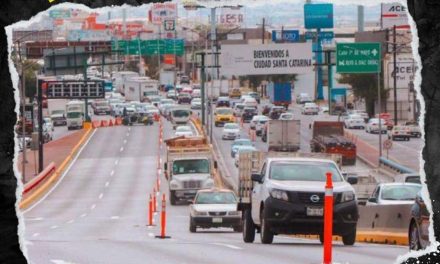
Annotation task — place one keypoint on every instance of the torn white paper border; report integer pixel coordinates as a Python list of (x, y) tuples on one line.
[(211, 3)]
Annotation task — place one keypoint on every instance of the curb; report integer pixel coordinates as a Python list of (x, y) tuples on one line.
[(370, 237), (39, 191)]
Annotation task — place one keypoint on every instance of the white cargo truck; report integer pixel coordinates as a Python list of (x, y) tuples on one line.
[(57, 111), (75, 111), (138, 88), (283, 135), (189, 167), (167, 78), (119, 80)]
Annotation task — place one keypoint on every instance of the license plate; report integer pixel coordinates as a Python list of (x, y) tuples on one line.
[(313, 211), (217, 220)]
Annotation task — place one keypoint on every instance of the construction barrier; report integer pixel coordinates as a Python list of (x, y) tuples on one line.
[(328, 219), (49, 170), (163, 220)]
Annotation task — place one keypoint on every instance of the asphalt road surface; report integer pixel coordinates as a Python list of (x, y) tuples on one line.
[(98, 214)]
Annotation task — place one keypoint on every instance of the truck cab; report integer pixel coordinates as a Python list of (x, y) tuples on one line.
[(189, 167), (75, 114), (287, 197)]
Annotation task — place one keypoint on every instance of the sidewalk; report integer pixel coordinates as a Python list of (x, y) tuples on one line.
[(56, 151)]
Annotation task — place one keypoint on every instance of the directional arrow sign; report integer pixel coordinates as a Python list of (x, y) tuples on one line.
[(358, 57)]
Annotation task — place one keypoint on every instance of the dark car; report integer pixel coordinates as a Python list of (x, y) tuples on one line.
[(276, 111), (184, 79), (338, 109), (223, 102), (255, 95), (248, 114), (266, 109), (184, 98), (418, 231)]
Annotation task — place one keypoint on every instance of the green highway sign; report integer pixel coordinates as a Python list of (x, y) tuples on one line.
[(358, 57), (150, 47)]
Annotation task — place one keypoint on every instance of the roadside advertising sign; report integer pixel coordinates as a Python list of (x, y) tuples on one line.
[(88, 35), (231, 17), (266, 59), (358, 57), (405, 69), (59, 13), (163, 11), (285, 35), (327, 35), (394, 14), (318, 16)]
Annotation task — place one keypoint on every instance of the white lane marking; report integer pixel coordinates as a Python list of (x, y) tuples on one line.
[(63, 175), (54, 227), (35, 234), (83, 215), (114, 217), (35, 219), (122, 149), (116, 162), (60, 261), (100, 196), (92, 207), (129, 128), (160, 160), (150, 234), (70, 221), (128, 134), (125, 141), (28, 243), (107, 184), (112, 172), (227, 245)]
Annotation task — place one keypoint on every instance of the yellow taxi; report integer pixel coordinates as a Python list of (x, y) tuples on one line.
[(223, 115), (235, 93)]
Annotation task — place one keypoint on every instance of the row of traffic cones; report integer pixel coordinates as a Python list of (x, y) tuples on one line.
[(107, 123)]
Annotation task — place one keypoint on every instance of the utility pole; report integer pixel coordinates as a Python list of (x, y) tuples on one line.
[(395, 74), (202, 71), (264, 29)]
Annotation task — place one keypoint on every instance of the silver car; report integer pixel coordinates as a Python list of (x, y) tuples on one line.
[(394, 193), (213, 208)]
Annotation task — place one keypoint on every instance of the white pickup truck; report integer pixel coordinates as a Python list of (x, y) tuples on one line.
[(285, 195)]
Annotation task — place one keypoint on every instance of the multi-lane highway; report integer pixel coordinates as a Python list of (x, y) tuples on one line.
[(97, 213)]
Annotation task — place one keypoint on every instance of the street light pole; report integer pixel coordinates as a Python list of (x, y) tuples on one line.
[(395, 74), (380, 108)]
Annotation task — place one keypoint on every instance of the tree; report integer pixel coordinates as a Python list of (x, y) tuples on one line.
[(29, 68), (365, 86), (255, 80)]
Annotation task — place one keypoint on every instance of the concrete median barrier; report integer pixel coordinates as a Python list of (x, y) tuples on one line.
[(40, 185)]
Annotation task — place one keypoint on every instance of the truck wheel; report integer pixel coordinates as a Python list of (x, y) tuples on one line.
[(172, 197), (248, 227), (192, 226), (349, 238), (266, 234)]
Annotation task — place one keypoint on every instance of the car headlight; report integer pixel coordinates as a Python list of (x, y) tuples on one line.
[(347, 196), (197, 213), (234, 213), (279, 194), (174, 184)]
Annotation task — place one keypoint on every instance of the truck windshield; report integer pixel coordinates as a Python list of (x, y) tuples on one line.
[(73, 115), (180, 113), (190, 166), (304, 171)]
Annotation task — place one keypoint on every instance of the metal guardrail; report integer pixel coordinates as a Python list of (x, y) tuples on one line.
[(395, 166)]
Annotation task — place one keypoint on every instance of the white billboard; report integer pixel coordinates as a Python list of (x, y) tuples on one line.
[(405, 70), (394, 14), (163, 11), (262, 59), (231, 17)]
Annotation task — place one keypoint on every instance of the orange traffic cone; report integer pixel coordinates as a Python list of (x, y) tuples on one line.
[(104, 123), (110, 122)]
